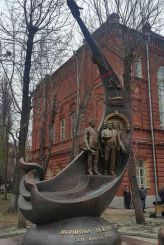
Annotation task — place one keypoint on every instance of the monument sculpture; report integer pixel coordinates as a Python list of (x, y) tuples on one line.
[(66, 209), (91, 145), (112, 145)]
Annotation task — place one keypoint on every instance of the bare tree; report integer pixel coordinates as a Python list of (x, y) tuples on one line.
[(5, 127), (76, 123), (28, 25), (47, 119), (83, 97)]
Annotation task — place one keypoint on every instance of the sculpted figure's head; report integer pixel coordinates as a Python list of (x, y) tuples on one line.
[(109, 125), (92, 122), (115, 125), (105, 125)]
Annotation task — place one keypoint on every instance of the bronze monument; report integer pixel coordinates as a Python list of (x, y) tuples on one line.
[(91, 145), (66, 209), (110, 137)]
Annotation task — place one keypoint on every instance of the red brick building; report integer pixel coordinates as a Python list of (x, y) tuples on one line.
[(70, 84)]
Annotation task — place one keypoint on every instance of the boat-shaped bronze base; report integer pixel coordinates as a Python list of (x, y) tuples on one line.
[(84, 230)]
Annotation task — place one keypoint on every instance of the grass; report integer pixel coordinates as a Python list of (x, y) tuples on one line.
[(7, 219)]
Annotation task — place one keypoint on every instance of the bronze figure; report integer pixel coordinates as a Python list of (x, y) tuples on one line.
[(91, 145), (110, 136)]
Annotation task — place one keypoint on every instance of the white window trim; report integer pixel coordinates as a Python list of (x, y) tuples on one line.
[(141, 172), (138, 68), (160, 77)]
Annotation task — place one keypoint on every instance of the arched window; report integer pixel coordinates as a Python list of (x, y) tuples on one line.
[(160, 77)]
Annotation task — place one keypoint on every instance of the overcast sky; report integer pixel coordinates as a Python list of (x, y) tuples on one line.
[(2, 4), (2, 8)]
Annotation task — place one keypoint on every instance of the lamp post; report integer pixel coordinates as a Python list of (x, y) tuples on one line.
[(151, 116)]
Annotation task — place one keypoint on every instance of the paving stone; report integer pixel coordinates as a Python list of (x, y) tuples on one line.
[(122, 218), (125, 241), (135, 241), (11, 241)]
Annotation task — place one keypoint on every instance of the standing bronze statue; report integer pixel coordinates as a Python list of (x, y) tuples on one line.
[(91, 145), (110, 136)]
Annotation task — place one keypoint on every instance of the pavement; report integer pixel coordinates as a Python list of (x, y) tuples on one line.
[(125, 241), (123, 219), (135, 241), (11, 241)]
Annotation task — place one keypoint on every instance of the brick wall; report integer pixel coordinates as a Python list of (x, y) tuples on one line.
[(63, 84)]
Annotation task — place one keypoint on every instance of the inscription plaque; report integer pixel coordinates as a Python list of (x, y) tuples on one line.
[(115, 101), (81, 230)]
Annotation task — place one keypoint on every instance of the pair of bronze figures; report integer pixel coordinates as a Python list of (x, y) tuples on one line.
[(108, 144)]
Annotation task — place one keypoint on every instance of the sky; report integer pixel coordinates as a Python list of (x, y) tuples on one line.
[(2, 8), (2, 4)]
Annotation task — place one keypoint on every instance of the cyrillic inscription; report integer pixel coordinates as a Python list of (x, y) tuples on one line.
[(102, 233), (75, 232)]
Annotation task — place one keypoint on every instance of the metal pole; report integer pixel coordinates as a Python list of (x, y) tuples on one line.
[(151, 118)]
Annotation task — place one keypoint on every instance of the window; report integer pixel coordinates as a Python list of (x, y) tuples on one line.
[(160, 77), (62, 129), (138, 68), (140, 172)]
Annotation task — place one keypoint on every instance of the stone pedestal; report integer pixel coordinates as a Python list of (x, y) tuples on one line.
[(76, 231)]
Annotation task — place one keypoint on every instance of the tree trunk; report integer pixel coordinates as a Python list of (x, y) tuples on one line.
[(42, 155), (75, 145), (42, 146), (76, 130), (140, 218), (45, 149), (25, 116), (12, 204), (21, 220), (6, 161)]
